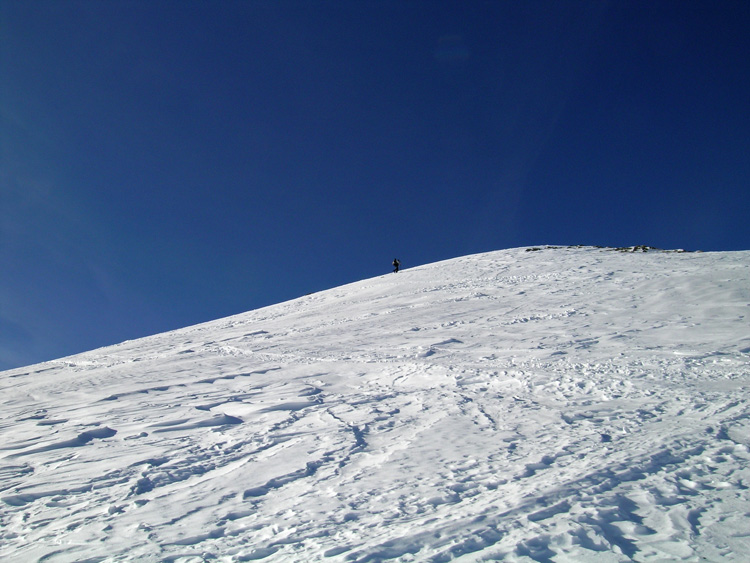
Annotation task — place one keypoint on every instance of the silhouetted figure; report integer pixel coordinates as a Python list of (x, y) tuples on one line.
[(396, 264)]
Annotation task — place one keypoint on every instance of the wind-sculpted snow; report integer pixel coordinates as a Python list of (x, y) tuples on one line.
[(568, 404)]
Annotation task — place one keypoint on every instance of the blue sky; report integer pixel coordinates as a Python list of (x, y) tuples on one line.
[(172, 162)]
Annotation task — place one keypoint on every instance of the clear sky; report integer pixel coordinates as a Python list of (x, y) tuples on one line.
[(164, 163)]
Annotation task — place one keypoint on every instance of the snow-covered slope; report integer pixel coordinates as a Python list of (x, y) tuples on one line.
[(571, 404)]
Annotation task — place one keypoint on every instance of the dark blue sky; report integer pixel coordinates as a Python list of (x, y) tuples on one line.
[(171, 162)]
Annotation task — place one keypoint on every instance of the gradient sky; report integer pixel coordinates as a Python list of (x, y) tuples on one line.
[(164, 163)]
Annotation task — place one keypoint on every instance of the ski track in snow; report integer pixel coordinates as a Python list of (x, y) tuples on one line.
[(573, 404)]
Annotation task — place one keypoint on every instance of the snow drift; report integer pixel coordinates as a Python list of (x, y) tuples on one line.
[(563, 404)]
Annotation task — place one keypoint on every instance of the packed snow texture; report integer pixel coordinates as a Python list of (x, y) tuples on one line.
[(566, 405)]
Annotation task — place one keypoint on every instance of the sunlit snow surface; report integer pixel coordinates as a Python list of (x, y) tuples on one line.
[(566, 405)]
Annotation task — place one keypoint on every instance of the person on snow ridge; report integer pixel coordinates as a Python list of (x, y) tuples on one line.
[(396, 264)]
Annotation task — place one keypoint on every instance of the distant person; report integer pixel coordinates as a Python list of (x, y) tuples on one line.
[(396, 264)]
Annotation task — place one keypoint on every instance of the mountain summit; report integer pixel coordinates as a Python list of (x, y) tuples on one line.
[(546, 404)]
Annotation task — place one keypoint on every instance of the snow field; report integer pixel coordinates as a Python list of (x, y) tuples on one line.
[(568, 404)]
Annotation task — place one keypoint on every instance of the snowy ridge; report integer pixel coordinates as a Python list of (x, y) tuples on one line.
[(567, 404)]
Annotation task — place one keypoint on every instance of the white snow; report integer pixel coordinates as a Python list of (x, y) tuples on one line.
[(565, 404)]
